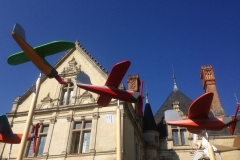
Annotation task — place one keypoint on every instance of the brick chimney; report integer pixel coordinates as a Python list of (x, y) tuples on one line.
[(133, 83), (209, 85)]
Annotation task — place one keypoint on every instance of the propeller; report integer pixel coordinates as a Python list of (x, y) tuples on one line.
[(140, 103), (35, 137), (234, 120)]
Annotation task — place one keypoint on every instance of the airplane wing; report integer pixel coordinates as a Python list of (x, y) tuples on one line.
[(114, 79), (117, 73), (42, 50), (4, 125), (201, 106)]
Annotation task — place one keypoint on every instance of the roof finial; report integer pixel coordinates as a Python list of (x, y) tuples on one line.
[(147, 101), (174, 81)]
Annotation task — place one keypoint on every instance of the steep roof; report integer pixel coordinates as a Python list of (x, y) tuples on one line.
[(175, 95), (149, 122)]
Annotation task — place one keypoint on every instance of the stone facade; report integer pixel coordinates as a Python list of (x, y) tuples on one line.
[(73, 126)]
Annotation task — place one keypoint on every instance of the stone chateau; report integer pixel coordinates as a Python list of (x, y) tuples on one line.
[(73, 126)]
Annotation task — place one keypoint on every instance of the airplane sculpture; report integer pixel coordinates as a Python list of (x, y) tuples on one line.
[(110, 89), (37, 54), (198, 119), (7, 136)]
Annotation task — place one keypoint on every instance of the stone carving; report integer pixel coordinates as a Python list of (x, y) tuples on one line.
[(95, 115), (47, 102), (72, 68), (176, 108), (69, 118), (86, 98), (52, 121)]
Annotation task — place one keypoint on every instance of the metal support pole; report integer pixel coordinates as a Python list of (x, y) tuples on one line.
[(10, 151), (210, 149), (29, 121), (119, 152)]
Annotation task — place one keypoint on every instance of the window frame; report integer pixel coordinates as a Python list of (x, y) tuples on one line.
[(68, 90), (81, 131), (182, 140), (40, 134)]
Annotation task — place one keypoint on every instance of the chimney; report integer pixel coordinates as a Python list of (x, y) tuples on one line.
[(133, 83), (209, 85)]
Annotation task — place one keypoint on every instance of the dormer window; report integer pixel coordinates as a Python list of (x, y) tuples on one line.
[(67, 93)]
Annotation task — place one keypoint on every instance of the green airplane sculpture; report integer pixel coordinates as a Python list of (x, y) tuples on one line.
[(37, 54)]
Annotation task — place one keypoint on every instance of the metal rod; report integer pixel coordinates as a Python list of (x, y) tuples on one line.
[(29, 120), (209, 147), (10, 151), (119, 154)]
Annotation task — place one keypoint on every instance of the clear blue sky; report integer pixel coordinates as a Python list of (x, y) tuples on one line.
[(153, 35)]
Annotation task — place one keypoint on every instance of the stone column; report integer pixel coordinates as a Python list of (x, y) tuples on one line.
[(49, 136), (65, 149), (92, 149)]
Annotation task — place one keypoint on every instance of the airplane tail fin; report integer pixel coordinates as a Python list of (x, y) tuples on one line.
[(83, 78), (171, 115), (35, 137), (234, 120), (17, 29)]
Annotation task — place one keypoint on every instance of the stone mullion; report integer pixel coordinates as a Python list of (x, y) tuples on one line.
[(75, 93)]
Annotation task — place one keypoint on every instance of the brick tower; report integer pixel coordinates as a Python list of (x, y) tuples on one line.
[(209, 85)]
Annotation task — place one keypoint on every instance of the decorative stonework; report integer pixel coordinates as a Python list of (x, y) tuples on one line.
[(86, 98), (47, 102), (95, 115), (52, 121), (72, 68), (16, 100), (176, 107), (133, 83), (69, 118), (82, 118), (41, 122)]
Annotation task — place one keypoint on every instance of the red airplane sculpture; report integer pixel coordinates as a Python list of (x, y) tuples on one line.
[(37, 54), (7, 136), (198, 119), (110, 89)]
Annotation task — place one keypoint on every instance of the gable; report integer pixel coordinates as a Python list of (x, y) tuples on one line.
[(74, 61)]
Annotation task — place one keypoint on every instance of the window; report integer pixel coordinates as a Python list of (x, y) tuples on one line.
[(179, 137), (67, 94), (81, 137), (40, 142)]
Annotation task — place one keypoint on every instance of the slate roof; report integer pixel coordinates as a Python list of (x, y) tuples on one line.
[(184, 103), (175, 95), (148, 118)]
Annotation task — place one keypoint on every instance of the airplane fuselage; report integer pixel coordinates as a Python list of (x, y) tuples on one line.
[(204, 123), (123, 95), (38, 61)]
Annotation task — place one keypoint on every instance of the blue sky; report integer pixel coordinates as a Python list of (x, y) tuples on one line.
[(153, 35)]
